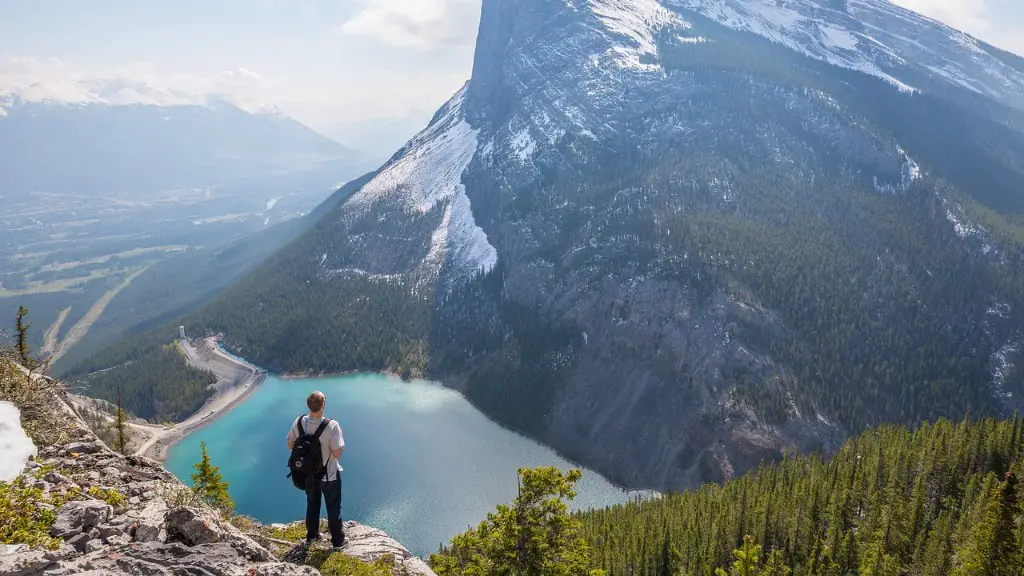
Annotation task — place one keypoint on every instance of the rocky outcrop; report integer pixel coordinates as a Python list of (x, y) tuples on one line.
[(128, 515)]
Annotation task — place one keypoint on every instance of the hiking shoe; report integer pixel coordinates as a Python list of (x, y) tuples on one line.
[(310, 541), (339, 547)]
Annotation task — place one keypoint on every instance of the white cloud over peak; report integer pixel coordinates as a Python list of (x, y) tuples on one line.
[(53, 80), (995, 21), (417, 24)]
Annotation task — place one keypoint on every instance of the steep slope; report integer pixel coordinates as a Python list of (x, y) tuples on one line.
[(96, 147), (673, 239)]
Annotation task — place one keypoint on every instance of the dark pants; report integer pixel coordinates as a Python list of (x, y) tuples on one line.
[(332, 498)]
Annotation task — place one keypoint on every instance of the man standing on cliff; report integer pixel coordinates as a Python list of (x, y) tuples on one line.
[(332, 444)]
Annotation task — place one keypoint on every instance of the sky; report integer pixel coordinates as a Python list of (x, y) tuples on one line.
[(369, 73)]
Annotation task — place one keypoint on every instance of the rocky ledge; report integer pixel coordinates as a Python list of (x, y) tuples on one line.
[(119, 514)]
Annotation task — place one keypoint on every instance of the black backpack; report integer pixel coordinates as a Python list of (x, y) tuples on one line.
[(305, 464)]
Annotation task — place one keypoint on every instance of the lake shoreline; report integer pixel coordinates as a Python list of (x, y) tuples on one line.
[(237, 379), (161, 455)]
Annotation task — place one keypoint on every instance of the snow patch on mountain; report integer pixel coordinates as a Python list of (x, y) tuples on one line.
[(524, 145), (798, 25), (429, 171), (635, 24), (1003, 367), (909, 173), (15, 446)]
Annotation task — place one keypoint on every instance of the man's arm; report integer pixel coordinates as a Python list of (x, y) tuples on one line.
[(292, 436), (337, 442)]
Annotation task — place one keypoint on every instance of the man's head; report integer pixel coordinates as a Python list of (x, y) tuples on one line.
[(316, 402)]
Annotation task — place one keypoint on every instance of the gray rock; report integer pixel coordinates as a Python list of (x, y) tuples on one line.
[(78, 541), (118, 541), (134, 501), (93, 546), (12, 548), (369, 544), (155, 559), (93, 533), (119, 520), (109, 530), (80, 515), (111, 472), (62, 553), (55, 478), (83, 448), (44, 506), (93, 476), (194, 527), (24, 563), (149, 533), (32, 465)]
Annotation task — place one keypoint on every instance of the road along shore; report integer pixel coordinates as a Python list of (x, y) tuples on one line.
[(236, 380)]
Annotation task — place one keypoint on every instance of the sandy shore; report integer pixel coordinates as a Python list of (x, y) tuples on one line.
[(236, 380)]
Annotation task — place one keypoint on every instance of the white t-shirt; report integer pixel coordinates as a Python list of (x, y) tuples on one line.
[(330, 440)]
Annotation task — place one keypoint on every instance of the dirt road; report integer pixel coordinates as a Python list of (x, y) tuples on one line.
[(236, 379)]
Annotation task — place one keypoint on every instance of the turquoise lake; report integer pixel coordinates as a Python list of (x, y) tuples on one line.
[(421, 463)]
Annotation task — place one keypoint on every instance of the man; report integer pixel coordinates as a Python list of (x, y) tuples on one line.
[(332, 444)]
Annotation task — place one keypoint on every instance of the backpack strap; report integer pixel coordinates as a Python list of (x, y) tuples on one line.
[(298, 425)]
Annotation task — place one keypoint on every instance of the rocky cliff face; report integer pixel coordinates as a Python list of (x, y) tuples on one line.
[(128, 515)]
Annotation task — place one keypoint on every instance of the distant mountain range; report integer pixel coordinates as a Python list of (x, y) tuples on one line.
[(123, 145), (674, 238)]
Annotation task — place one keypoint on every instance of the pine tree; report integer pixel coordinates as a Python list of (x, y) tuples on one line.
[(121, 440), (533, 536), (208, 483), (993, 548), (24, 353), (748, 559)]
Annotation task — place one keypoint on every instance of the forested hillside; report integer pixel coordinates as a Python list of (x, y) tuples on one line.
[(943, 499)]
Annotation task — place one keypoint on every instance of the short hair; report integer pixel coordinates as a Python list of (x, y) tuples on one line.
[(316, 401)]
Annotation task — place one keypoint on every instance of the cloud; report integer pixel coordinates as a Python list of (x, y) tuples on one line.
[(418, 24), (995, 21), (968, 15), (53, 80)]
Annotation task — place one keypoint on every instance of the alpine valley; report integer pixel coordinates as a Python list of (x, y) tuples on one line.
[(674, 238)]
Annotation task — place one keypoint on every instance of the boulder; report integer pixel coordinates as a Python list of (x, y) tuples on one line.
[(369, 544), (118, 541), (24, 563), (149, 533), (78, 541), (193, 526), (83, 447), (80, 515), (108, 530), (93, 546), (55, 478), (219, 558)]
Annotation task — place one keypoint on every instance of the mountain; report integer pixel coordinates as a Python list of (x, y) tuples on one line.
[(100, 144), (673, 239)]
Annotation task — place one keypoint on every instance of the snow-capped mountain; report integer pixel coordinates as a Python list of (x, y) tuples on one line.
[(878, 38), (114, 136), (672, 238)]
